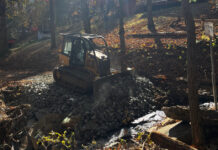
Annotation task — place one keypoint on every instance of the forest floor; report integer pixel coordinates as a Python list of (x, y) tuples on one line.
[(36, 58), (165, 66)]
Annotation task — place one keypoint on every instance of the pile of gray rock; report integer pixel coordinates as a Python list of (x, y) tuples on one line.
[(130, 98)]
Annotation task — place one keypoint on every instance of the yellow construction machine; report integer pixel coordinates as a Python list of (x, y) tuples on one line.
[(85, 62)]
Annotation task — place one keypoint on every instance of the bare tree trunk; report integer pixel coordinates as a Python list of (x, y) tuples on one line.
[(86, 16), (3, 28), (105, 17), (121, 34), (151, 25), (197, 132), (52, 24)]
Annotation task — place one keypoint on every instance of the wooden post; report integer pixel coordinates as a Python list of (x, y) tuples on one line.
[(213, 74), (209, 30)]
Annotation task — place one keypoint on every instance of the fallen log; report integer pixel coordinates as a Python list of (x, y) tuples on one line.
[(169, 143), (209, 117)]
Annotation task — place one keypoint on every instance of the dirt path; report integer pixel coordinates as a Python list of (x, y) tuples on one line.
[(27, 61)]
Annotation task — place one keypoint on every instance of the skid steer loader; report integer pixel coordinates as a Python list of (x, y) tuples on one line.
[(85, 62)]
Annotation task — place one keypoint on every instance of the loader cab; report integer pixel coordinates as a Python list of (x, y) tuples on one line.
[(73, 52), (81, 51)]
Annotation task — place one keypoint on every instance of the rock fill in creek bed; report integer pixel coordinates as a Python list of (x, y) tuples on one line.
[(130, 98)]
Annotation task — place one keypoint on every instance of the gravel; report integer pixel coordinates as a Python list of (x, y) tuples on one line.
[(130, 98)]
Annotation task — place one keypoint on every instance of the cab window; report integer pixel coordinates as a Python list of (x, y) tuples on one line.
[(78, 52), (67, 47), (86, 45)]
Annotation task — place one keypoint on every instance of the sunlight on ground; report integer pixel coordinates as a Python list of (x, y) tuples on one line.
[(138, 25)]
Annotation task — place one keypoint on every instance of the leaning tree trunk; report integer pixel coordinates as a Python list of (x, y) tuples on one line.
[(197, 132), (3, 28), (52, 24), (151, 25), (85, 16), (121, 33)]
